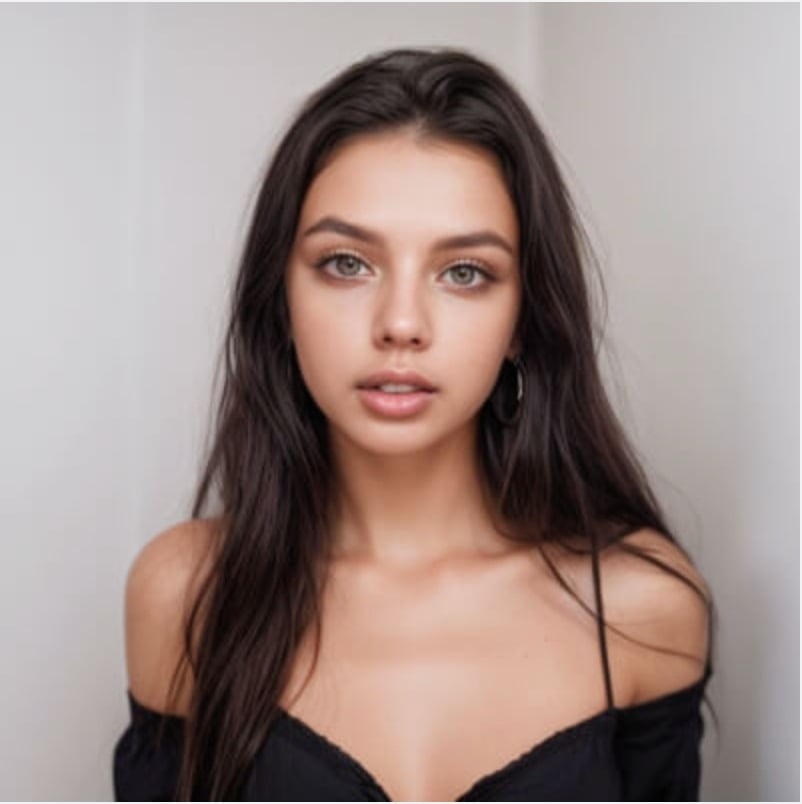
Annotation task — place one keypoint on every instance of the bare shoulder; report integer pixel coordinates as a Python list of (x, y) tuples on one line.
[(649, 604), (160, 589), (657, 624)]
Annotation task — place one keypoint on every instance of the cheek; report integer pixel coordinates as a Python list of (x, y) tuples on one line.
[(474, 365), (322, 338), (318, 315), (476, 349)]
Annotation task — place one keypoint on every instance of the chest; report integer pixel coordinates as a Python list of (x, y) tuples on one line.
[(431, 685)]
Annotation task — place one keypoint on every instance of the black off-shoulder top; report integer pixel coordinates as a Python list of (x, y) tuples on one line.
[(646, 752)]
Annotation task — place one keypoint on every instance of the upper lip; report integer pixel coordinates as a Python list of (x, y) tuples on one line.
[(404, 376)]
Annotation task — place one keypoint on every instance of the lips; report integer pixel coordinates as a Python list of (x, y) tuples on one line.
[(398, 376), (395, 406)]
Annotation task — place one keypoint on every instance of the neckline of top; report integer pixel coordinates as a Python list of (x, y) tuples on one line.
[(561, 737)]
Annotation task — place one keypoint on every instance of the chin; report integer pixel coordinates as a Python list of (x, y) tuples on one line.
[(388, 438)]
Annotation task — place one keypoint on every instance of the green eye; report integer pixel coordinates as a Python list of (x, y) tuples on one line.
[(464, 269), (472, 269), (337, 256)]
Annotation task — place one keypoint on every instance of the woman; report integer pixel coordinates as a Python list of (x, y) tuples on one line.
[(423, 491)]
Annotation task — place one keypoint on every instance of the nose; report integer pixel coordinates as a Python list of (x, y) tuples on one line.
[(401, 317)]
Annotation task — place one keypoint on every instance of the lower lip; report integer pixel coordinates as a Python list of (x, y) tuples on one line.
[(396, 405)]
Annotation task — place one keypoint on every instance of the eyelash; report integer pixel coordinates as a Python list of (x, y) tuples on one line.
[(477, 266)]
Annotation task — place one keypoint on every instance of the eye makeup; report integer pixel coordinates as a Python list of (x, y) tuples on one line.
[(478, 268)]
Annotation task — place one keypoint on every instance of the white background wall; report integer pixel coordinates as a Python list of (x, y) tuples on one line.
[(133, 139)]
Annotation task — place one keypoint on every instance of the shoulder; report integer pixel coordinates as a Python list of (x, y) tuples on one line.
[(657, 625), (161, 584), (666, 616)]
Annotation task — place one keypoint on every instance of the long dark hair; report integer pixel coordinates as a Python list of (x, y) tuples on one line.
[(561, 470)]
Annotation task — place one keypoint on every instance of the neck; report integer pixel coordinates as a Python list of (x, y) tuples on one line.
[(412, 509)]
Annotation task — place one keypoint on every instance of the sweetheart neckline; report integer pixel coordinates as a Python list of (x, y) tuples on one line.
[(552, 741)]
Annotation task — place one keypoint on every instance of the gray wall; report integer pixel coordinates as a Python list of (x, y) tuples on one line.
[(134, 136), (681, 126)]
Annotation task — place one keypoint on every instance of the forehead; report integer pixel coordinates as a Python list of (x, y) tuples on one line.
[(401, 186)]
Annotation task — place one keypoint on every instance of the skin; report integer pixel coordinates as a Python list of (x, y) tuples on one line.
[(410, 492)]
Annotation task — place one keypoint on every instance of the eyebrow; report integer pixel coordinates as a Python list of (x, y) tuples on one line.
[(486, 237)]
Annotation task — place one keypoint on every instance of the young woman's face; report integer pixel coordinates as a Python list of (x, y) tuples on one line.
[(399, 300)]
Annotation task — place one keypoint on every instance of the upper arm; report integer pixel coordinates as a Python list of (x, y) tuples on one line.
[(159, 590), (649, 605)]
